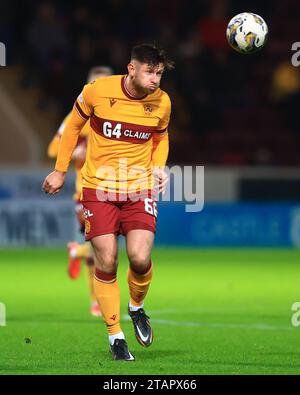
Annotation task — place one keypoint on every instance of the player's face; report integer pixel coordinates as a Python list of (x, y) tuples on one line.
[(146, 77)]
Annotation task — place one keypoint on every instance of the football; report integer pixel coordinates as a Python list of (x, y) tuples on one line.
[(247, 32)]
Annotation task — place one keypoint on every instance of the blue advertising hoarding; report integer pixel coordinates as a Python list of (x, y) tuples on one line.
[(229, 225), (52, 223), (29, 217)]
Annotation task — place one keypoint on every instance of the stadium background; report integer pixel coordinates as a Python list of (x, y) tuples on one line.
[(235, 115)]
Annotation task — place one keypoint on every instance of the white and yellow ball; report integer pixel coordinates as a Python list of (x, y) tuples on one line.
[(247, 32)]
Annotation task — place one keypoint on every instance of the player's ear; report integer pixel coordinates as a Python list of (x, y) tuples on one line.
[(131, 69)]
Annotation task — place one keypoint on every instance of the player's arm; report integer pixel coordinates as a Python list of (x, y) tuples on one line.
[(79, 154), (81, 112), (54, 144), (55, 180), (160, 149)]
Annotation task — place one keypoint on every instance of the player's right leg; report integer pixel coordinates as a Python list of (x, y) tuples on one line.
[(102, 224), (107, 291)]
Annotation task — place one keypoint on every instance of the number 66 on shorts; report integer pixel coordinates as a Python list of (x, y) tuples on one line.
[(118, 216)]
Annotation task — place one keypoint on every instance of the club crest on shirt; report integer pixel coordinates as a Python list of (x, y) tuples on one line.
[(148, 109)]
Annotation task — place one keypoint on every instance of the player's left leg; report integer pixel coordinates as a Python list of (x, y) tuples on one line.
[(139, 244)]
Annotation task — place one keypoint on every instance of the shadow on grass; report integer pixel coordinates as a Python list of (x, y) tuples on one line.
[(153, 355), (88, 361)]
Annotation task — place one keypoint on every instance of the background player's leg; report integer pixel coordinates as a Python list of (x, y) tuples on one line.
[(139, 243), (77, 249), (106, 286), (90, 266)]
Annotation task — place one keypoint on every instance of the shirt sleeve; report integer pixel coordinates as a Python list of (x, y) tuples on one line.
[(69, 140), (84, 102), (160, 147), (165, 119), (53, 146)]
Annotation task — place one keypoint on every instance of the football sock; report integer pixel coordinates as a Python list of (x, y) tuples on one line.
[(138, 285), (135, 308), (112, 338), (107, 292)]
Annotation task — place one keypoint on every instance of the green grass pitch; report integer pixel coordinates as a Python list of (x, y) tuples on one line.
[(212, 311)]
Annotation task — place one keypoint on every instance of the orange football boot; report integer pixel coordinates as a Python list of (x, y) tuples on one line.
[(95, 310), (74, 263)]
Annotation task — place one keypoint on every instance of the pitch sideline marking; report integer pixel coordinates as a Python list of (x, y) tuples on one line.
[(258, 326)]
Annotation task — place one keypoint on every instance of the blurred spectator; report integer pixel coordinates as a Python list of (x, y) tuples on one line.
[(285, 92), (47, 53), (212, 27), (221, 99)]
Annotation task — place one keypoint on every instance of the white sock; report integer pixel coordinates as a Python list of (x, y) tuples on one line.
[(112, 338), (135, 308)]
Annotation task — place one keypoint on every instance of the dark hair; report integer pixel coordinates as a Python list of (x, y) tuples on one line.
[(152, 55)]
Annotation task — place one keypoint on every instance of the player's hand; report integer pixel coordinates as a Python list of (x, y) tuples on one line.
[(161, 179), (54, 182)]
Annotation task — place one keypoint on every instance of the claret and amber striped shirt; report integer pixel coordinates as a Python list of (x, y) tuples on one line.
[(127, 135)]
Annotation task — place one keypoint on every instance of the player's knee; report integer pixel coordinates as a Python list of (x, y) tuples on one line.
[(108, 266), (138, 259), (106, 262)]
